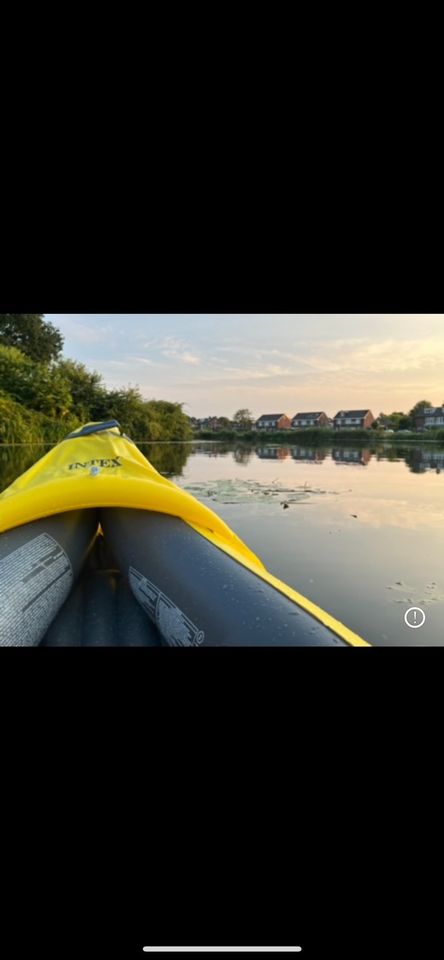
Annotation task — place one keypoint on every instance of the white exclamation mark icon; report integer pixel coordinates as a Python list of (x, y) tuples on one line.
[(412, 619)]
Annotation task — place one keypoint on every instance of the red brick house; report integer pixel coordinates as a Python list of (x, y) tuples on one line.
[(353, 420), (273, 421), (309, 420)]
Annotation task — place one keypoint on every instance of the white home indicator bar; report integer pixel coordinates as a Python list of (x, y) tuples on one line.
[(222, 949)]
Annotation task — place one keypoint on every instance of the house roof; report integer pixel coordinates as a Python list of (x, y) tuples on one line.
[(317, 414), (271, 416), (351, 413)]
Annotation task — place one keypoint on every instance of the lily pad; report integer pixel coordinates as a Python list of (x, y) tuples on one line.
[(251, 491)]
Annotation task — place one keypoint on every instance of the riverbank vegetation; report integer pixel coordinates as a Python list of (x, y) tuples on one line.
[(318, 436), (44, 396)]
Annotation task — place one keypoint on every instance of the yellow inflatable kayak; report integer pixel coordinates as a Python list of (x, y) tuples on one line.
[(97, 548)]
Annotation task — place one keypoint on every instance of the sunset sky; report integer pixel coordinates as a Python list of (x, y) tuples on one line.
[(215, 364)]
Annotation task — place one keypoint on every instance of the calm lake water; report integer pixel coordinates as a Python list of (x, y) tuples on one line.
[(357, 530)]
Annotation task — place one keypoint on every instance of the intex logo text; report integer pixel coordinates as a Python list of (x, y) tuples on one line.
[(109, 462)]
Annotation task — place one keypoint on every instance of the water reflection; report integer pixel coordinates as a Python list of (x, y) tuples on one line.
[(420, 460), (211, 448), (243, 455), (360, 456), (168, 458), (309, 454), (272, 453)]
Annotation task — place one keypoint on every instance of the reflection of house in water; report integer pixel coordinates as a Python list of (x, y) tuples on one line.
[(308, 454), (421, 460), (360, 457), (272, 453)]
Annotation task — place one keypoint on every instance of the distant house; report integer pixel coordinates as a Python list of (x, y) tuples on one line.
[(310, 420), (430, 417), (353, 420), (273, 421), (210, 423)]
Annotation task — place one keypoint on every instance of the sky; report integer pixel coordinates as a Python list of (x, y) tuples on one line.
[(215, 364)]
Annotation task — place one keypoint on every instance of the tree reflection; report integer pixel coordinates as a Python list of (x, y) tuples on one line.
[(242, 455), (168, 458)]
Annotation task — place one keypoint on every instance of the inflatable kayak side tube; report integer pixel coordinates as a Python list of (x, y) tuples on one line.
[(39, 563), (101, 610), (197, 594)]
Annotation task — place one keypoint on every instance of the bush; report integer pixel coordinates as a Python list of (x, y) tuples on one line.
[(54, 398), (38, 386), (17, 424)]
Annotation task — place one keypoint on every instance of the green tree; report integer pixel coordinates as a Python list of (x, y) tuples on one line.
[(37, 386), (127, 406), (29, 332), (88, 392), (416, 412), (174, 422), (50, 392), (15, 374), (243, 419), (398, 421)]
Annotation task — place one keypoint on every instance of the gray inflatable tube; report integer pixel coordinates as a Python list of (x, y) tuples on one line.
[(39, 564), (150, 580), (196, 594)]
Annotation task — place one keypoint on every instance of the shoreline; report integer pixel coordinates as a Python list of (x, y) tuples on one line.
[(312, 439)]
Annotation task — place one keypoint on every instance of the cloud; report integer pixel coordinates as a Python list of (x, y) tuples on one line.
[(380, 357), (145, 360), (177, 349), (79, 332), (189, 358)]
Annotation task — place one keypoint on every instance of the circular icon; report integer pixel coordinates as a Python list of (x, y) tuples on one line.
[(414, 617)]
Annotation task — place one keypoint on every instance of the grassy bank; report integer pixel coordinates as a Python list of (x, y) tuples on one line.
[(318, 436)]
